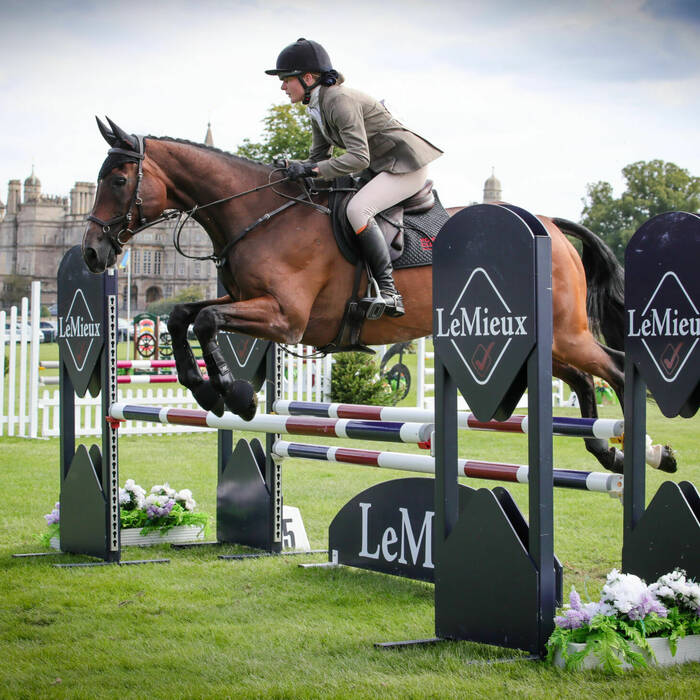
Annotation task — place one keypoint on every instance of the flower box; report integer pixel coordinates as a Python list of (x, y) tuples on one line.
[(687, 649), (633, 625), (132, 537)]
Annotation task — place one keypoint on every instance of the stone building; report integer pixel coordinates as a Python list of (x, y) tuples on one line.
[(36, 230)]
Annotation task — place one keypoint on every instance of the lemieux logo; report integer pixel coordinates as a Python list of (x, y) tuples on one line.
[(490, 327), (403, 546), (669, 326), (241, 349), (79, 329)]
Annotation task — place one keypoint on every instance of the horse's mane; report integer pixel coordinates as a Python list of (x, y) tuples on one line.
[(213, 149), (114, 160)]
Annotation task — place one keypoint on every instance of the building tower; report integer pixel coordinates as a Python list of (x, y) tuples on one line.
[(81, 197), (14, 196), (492, 189), (32, 188), (208, 139)]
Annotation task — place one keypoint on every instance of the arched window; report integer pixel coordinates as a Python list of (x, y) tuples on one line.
[(153, 294)]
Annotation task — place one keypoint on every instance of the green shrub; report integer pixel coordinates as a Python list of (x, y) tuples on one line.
[(355, 379)]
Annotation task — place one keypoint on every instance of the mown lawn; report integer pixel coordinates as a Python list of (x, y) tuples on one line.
[(203, 627)]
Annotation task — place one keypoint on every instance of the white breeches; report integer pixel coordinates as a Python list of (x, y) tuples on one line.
[(381, 192)]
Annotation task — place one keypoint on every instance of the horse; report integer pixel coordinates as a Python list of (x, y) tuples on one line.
[(287, 282)]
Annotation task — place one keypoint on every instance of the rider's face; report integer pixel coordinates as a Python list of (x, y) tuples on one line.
[(292, 87)]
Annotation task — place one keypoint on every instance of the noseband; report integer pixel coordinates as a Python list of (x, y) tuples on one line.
[(115, 239)]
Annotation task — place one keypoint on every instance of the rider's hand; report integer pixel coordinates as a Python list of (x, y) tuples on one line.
[(297, 170)]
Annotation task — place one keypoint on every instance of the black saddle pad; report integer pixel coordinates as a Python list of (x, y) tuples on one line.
[(419, 230)]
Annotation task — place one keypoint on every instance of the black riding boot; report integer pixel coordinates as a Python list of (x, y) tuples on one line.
[(376, 254)]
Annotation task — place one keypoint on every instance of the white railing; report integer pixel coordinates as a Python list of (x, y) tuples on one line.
[(24, 413), (19, 367)]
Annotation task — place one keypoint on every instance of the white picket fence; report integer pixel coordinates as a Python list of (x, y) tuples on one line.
[(19, 367), (24, 412)]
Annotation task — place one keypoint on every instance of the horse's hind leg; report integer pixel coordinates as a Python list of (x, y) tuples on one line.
[(659, 456), (188, 373), (609, 457)]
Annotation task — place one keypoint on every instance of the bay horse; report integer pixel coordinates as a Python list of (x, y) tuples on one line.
[(287, 281)]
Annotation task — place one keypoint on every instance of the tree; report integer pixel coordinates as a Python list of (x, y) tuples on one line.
[(652, 187), (287, 134), (355, 379), (165, 306)]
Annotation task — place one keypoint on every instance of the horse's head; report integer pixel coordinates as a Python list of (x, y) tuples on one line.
[(128, 196)]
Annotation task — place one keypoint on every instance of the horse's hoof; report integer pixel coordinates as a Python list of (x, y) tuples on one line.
[(668, 462), (242, 400), (614, 461), (208, 398)]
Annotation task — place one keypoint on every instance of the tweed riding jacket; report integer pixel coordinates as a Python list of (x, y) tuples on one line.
[(367, 131)]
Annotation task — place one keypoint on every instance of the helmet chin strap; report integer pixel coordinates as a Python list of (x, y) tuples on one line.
[(308, 88)]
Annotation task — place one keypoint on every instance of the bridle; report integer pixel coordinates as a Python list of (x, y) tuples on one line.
[(115, 239), (117, 242)]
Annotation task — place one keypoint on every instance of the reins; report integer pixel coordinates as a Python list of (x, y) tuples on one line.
[(218, 259)]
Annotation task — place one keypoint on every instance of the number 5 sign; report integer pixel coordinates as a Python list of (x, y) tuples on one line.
[(293, 532)]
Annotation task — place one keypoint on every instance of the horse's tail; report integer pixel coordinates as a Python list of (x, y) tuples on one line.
[(606, 284)]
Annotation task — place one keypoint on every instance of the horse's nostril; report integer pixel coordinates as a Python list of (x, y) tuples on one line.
[(91, 259)]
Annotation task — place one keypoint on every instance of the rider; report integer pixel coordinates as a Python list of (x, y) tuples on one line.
[(372, 139)]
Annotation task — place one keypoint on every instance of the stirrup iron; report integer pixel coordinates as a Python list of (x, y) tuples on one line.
[(374, 305)]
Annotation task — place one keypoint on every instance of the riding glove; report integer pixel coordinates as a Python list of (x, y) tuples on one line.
[(297, 170)]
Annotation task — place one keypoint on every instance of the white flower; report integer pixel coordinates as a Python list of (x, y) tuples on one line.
[(184, 498), (623, 591), (164, 489), (124, 496), (675, 589)]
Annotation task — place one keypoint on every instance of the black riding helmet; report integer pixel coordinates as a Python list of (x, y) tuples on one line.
[(305, 56)]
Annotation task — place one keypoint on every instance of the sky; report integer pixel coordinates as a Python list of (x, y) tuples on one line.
[(551, 95)]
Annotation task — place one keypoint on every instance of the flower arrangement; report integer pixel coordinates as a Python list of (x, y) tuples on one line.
[(628, 613), (160, 510)]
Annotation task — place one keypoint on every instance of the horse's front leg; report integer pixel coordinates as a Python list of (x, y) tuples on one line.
[(188, 373), (261, 317)]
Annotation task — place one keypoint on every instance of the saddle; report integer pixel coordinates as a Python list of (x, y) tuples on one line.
[(391, 221), (409, 228)]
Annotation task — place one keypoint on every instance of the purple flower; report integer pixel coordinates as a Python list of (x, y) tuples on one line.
[(571, 619), (646, 604), (575, 614), (157, 509), (54, 516)]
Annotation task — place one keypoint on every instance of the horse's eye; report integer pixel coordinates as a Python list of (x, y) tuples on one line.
[(119, 181)]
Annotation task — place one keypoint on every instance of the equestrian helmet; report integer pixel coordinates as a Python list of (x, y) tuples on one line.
[(303, 56)]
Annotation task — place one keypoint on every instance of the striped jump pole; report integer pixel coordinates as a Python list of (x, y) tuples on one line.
[(128, 364), (129, 379), (604, 428), (600, 482), (383, 431)]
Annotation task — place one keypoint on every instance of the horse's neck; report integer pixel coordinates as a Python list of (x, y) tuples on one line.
[(194, 175)]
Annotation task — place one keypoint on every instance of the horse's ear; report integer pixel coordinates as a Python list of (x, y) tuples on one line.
[(108, 136), (121, 135)]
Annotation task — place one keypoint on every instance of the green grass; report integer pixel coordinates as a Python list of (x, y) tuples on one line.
[(203, 627)]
